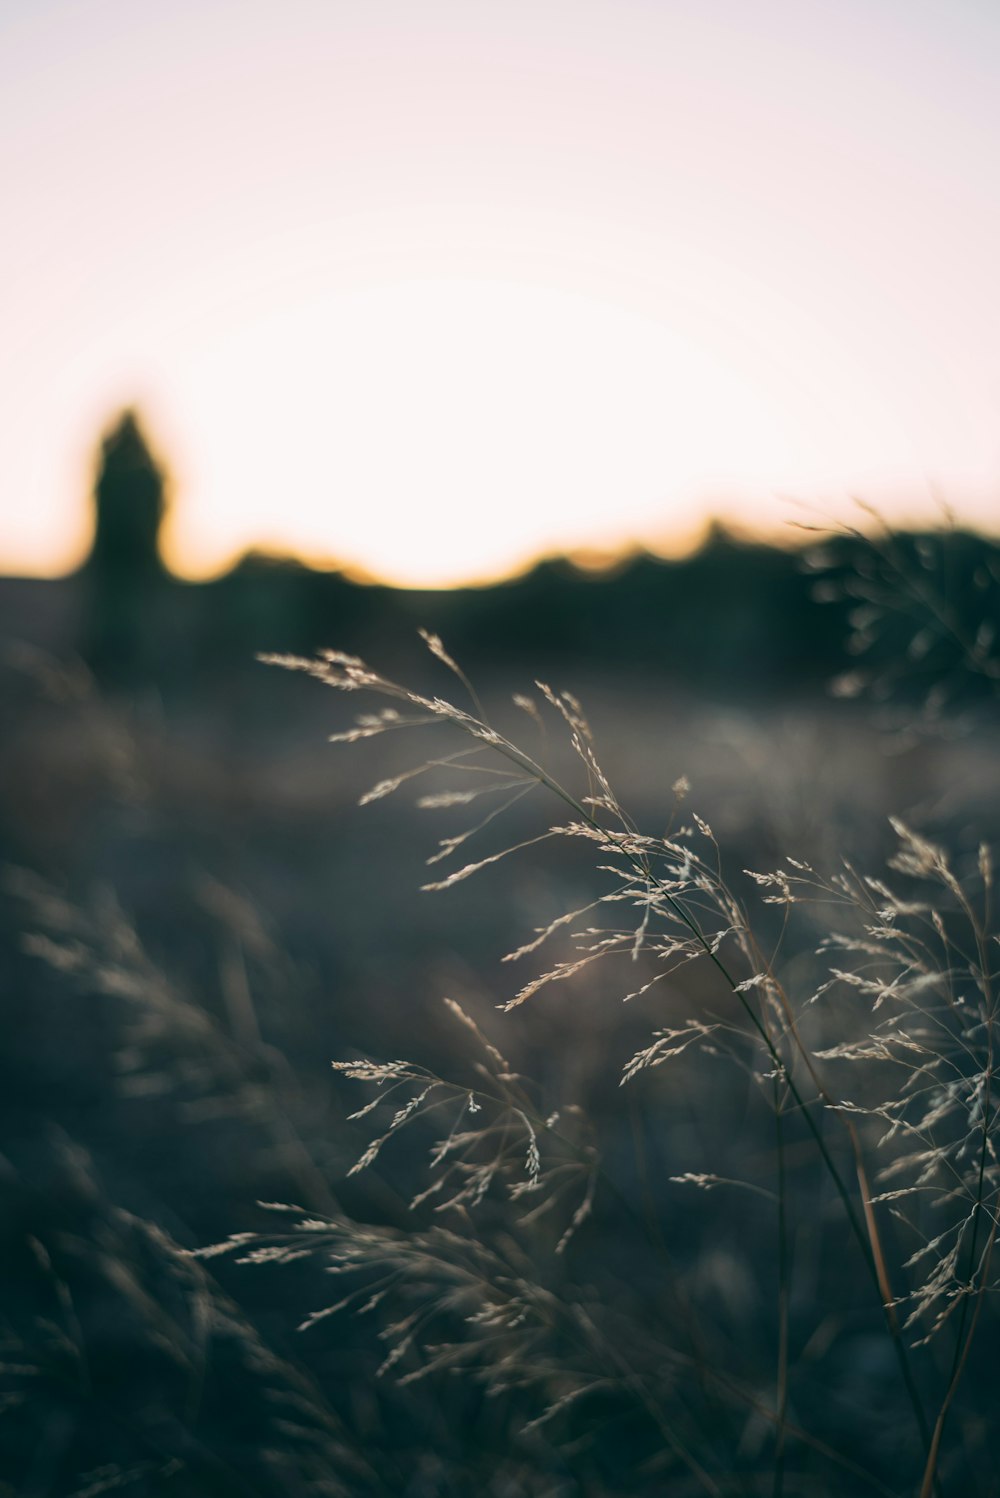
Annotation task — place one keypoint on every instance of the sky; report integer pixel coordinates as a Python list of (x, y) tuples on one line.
[(429, 288)]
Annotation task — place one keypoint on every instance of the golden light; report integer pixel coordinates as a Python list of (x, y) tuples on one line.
[(436, 430), (430, 290)]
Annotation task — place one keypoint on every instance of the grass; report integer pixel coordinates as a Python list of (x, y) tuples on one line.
[(737, 1239), (883, 1070)]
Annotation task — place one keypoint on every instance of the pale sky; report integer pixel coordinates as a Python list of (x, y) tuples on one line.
[(431, 287)]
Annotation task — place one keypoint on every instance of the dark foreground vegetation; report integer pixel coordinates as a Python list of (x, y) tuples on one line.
[(761, 1263)]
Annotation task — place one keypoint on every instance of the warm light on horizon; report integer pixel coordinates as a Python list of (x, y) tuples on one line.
[(439, 431), (428, 295)]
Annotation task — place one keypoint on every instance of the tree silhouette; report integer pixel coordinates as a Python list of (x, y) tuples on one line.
[(129, 506), (124, 568)]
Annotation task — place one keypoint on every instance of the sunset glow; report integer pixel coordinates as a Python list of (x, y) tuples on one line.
[(430, 291)]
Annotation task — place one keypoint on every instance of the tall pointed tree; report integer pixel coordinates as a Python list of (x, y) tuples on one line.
[(124, 566), (129, 506)]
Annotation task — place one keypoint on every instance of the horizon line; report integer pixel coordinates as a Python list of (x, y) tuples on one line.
[(595, 561)]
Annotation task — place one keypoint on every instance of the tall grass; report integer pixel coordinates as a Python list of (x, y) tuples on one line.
[(701, 1198), (854, 1013)]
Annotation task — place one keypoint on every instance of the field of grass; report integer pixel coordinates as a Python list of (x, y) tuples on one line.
[(695, 1193)]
